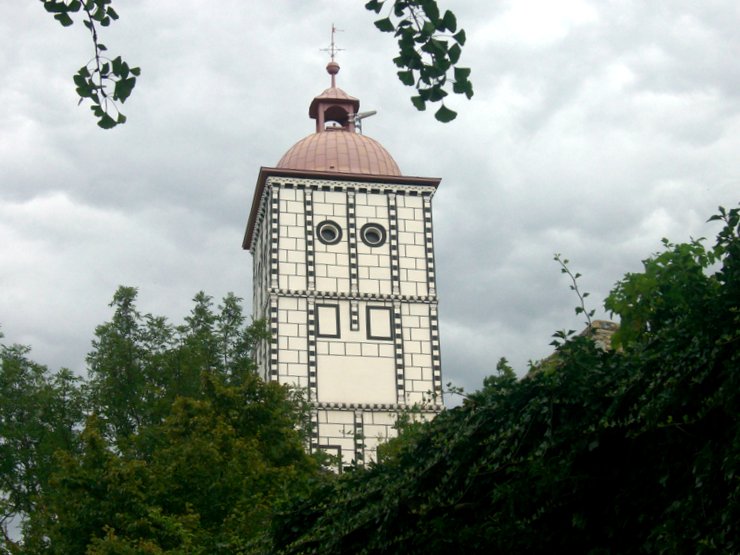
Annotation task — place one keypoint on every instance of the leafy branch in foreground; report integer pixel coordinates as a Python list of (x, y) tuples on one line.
[(562, 336), (102, 80), (426, 59)]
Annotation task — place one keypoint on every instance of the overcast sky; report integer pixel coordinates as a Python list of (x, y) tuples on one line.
[(596, 129)]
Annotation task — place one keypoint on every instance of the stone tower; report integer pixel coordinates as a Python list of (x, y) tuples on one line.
[(344, 274)]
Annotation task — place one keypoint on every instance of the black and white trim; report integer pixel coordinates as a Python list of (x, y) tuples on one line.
[(398, 354), (429, 246), (310, 258), (353, 266), (311, 321), (436, 352), (273, 370), (274, 235), (359, 437), (393, 239), (354, 315)]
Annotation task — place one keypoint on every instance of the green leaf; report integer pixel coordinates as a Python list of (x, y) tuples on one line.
[(436, 93), (107, 122), (419, 103), (430, 9), (445, 115), (425, 94), (117, 64), (427, 30), (64, 19), (469, 90), (450, 21), (374, 6), (462, 74), (464, 87), (460, 37), (454, 53), (55, 7), (435, 47), (406, 77), (385, 25), (123, 88)]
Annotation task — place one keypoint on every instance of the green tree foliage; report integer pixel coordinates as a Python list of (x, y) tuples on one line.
[(429, 47), (38, 414), (631, 450), (425, 58), (103, 81), (173, 444), (202, 481)]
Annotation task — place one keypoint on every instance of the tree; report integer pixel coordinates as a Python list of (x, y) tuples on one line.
[(39, 411), (202, 481), (172, 445), (140, 364), (425, 58), (629, 450)]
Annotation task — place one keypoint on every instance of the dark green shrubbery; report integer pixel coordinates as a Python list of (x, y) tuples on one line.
[(631, 450)]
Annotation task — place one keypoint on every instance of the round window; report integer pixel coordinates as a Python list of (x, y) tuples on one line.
[(329, 232), (373, 235)]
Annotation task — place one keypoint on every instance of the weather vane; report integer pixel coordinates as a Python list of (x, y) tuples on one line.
[(332, 50)]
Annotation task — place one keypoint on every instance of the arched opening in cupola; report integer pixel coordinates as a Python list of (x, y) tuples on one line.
[(336, 116)]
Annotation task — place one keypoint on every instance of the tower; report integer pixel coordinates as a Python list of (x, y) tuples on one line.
[(344, 274)]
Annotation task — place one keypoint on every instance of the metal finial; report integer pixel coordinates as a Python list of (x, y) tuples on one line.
[(333, 67), (332, 50)]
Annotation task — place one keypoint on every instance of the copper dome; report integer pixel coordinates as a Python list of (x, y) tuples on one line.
[(340, 151)]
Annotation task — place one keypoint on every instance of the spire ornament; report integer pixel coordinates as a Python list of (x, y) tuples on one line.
[(332, 68)]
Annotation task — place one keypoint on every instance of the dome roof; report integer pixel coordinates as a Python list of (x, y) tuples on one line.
[(340, 151)]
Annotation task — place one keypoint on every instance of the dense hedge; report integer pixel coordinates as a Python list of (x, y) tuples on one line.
[(631, 450)]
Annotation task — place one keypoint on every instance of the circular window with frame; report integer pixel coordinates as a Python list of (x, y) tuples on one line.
[(373, 235), (329, 232)]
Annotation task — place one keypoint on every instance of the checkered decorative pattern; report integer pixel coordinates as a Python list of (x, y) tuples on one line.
[(398, 353), (359, 437), (310, 264), (274, 234), (352, 242), (429, 246), (393, 242), (312, 380), (312, 383), (354, 315), (273, 337), (436, 354)]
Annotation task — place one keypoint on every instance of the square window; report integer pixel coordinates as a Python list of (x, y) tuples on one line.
[(379, 323), (328, 320)]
